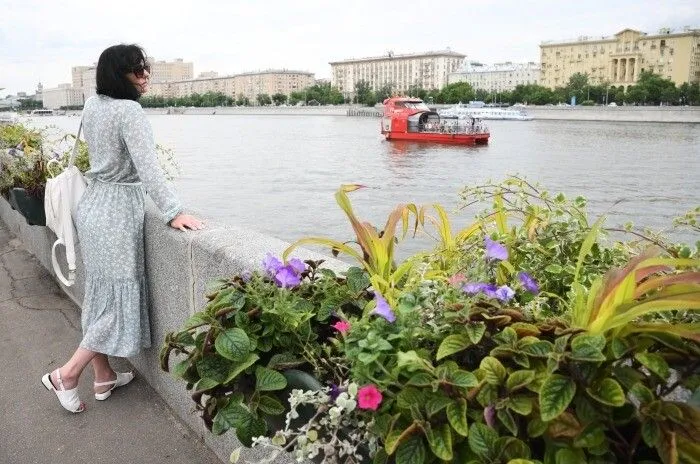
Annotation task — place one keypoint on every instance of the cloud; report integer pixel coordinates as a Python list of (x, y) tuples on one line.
[(47, 38)]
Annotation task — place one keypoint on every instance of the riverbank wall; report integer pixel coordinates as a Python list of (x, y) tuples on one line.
[(178, 264), (665, 114)]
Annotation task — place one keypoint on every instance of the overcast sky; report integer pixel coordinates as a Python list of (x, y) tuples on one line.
[(41, 39)]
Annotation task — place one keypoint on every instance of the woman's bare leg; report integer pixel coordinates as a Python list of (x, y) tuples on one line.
[(70, 371), (103, 372)]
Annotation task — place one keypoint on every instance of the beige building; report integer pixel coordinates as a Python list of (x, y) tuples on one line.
[(249, 84), (84, 79), (618, 60), (169, 71), (63, 95), (497, 77), (428, 70)]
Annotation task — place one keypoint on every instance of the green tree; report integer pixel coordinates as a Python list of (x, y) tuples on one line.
[(263, 99), (362, 91), (657, 89), (689, 94), (636, 94), (385, 91), (481, 94), (279, 98), (416, 90), (457, 92), (296, 97), (578, 86)]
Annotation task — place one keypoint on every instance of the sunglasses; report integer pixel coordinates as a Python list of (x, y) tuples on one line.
[(141, 70)]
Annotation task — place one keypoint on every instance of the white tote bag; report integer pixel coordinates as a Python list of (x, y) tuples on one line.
[(61, 199)]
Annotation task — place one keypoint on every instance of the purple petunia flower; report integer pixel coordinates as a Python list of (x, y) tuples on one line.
[(383, 309), (271, 264), (495, 250), (472, 288), (504, 293), (287, 278), (335, 391), (528, 282), (298, 265)]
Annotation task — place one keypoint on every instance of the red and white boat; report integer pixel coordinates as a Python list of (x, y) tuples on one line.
[(411, 119)]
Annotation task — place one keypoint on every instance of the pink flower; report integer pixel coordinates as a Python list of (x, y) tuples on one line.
[(369, 397), (456, 279), (341, 326)]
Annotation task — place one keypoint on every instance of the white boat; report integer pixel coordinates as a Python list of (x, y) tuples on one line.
[(479, 111), (8, 117), (42, 112)]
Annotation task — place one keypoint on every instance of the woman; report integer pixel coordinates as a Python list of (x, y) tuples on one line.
[(109, 221)]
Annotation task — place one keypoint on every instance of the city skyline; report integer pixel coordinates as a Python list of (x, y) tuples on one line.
[(235, 37)]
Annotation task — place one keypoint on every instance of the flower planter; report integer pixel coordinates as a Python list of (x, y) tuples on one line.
[(30, 207)]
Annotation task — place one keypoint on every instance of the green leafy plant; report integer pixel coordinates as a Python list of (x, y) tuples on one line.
[(525, 337)]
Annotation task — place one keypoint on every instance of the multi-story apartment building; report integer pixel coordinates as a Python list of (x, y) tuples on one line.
[(84, 79), (249, 84), (618, 60), (169, 71), (428, 70), (497, 77), (63, 95)]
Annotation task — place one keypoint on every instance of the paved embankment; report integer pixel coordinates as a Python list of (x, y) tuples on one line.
[(39, 329), (679, 114)]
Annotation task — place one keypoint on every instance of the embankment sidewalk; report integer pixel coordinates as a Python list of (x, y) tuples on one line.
[(39, 329)]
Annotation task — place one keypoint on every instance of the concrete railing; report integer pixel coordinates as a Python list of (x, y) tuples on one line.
[(178, 266)]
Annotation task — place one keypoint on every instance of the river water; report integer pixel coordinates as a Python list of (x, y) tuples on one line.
[(278, 174)]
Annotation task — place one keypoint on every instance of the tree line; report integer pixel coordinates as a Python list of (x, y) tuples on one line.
[(650, 89)]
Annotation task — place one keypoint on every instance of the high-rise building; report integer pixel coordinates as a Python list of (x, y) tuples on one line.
[(428, 70), (619, 59), (249, 84), (497, 77), (62, 96), (170, 71)]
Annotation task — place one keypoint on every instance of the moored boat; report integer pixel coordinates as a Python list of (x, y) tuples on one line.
[(478, 110), (411, 119)]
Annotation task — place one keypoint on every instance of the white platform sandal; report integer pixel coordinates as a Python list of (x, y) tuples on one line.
[(122, 379), (69, 399)]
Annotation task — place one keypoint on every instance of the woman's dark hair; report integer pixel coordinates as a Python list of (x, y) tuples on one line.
[(113, 66)]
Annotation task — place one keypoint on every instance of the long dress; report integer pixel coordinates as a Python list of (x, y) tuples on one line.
[(110, 220)]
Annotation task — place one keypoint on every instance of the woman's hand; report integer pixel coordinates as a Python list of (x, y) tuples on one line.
[(185, 221)]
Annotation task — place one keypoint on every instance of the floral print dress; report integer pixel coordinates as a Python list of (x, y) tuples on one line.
[(110, 220)]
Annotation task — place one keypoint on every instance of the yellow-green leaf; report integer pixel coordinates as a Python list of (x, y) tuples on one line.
[(452, 344), (608, 392), (555, 395)]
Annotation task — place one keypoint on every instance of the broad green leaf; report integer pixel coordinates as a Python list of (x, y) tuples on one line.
[(452, 344), (506, 418), (519, 379), (608, 392), (463, 379), (651, 432), (198, 319), (240, 367), (214, 367), (457, 416), (482, 439), (421, 379), (382, 458), (591, 436), (233, 344), (206, 384), (535, 427), (554, 269), (440, 441), (269, 380), (570, 456), (619, 347), (642, 393), (436, 403), (511, 448), (555, 396), (655, 363), (180, 368), (230, 416), (411, 450), (494, 372), (521, 461), (409, 397), (357, 279), (285, 360), (520, 404), (270, 405), (539, 349), (410, 361), (248, 428), (585, 347), (475, 331)]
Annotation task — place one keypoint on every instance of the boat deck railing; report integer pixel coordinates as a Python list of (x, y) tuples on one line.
[(453, 128)]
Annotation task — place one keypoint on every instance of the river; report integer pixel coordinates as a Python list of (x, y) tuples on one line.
[(278, 174)]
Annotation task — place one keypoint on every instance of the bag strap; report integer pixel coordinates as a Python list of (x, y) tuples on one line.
[(71, 162)]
